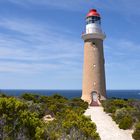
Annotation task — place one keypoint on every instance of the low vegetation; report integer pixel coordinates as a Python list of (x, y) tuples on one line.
[(126, 113), (136, 134), (21, 118)]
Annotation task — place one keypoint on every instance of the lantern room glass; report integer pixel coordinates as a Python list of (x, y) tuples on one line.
[(93, 19)]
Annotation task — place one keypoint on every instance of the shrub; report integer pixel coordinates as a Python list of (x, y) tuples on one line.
[(136, 134), (20, 118), (16, 120), (77, 102), (125, 113), (119, 114), (109, 106), (2, 95), (126, 122), (57, 96), (81, 123), (111, 109), (119, 103), (31, 97)]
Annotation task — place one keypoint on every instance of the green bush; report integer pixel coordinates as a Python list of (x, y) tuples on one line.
[(119, 114), (21, 118), (119, 103), (124, 112), (57, 96), (81, 123), (31, 97), (16, 120), (2, 95), (77, 102), (111, 109), (126, 122), (136, 134), (111, 105)]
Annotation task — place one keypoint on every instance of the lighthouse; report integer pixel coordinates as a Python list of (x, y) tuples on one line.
[(94, 86)]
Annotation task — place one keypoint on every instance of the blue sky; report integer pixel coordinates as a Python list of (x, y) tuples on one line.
[(41, 45)]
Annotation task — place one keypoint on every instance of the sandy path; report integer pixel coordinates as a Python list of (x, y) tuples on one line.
[(106, 127)]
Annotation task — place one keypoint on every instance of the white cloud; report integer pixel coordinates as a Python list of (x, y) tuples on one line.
[(36, 47), (125, 7), (40, 47), (122, 56), (71, 5)]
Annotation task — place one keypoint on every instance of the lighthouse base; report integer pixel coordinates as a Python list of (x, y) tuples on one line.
[(95, 99)]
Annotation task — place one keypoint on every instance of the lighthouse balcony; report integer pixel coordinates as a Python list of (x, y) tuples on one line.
[(95, 35)]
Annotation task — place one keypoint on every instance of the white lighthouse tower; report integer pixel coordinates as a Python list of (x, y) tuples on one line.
[(94, 87)]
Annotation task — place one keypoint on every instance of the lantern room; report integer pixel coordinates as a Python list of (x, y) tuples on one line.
[(93, 22), (93, 17)]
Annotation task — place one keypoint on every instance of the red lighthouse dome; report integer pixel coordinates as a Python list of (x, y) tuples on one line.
[(93, 12)]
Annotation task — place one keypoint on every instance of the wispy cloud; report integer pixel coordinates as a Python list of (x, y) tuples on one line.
[(30, 44), (36, 47), (124, 54), (125, 7), (72, 5)]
